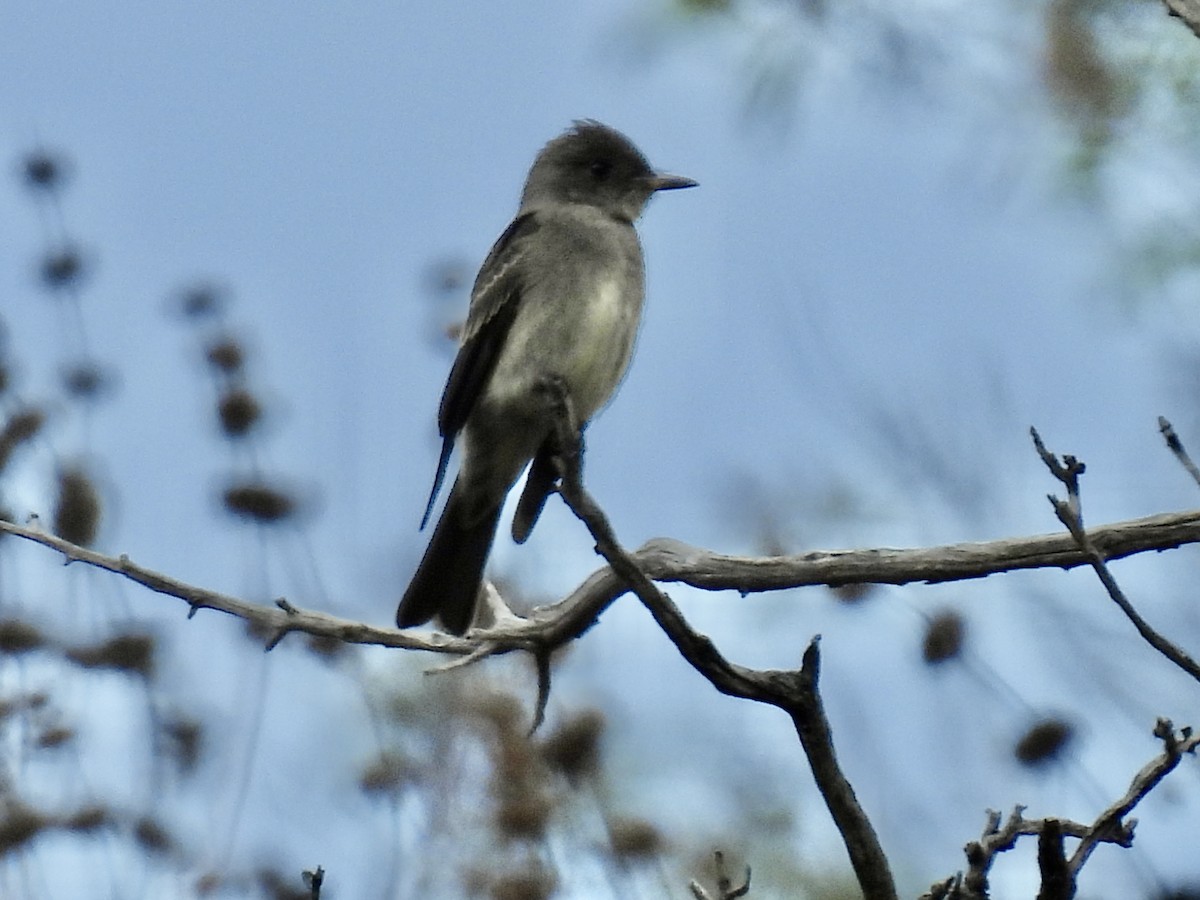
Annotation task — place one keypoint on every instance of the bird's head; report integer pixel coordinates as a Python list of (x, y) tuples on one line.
[(596, 165)]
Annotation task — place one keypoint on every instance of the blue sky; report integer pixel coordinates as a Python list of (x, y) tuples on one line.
[(888, 270)]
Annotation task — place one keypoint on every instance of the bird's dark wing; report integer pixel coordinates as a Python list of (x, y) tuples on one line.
[(495, 299)]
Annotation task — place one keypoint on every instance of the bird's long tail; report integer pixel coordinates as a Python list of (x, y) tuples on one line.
[(446, 583)]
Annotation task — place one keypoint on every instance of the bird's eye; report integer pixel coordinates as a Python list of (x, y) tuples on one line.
[(601, 168)]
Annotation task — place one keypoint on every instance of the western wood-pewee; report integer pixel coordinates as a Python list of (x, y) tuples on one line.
[(559, 298)]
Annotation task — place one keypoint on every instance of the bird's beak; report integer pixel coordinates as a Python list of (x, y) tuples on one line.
[(662, 182)]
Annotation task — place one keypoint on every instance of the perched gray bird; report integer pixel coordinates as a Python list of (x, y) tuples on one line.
[(559, 297)]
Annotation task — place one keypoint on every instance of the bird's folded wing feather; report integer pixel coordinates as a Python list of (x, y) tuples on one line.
[(495, 299)]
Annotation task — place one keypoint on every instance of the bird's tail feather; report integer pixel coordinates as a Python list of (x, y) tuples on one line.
[(446, 583)]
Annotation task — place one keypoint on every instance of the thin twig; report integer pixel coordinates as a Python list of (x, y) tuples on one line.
[(1059, 874), (313, 880), (268, 619), (982, 853), (1071, 515), (725, 886), (1109, 825), (541, 659), (1175, 445)]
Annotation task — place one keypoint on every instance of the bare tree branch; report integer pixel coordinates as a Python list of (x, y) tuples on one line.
[(667, 560), (1070, 513), (1109, 825), (981, 853), (313, 879), (725, 886), (795, 693), (1175, 445), (1188, 11), (1060, 874), (276, 621), (1057, 883)]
